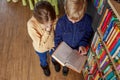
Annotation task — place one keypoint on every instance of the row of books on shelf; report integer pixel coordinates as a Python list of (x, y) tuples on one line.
[(93, 71), (99, 5), (110, 30), (102, 57)]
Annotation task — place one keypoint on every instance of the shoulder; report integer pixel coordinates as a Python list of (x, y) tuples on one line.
[(30, 22), (62, 19), (87, 17)]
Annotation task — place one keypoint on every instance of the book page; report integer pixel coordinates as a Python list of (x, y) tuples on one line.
[(76, 61), (62, 52)]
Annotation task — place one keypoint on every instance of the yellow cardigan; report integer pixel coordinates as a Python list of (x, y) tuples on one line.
[(42, 40)]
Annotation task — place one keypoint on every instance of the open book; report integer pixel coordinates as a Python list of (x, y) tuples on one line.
[(69, 57)]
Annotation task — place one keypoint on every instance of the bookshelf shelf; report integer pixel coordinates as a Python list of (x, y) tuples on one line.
[(99, 32), (115, 7)]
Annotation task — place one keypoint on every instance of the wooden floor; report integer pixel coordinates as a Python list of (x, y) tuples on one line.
[(18, 60)]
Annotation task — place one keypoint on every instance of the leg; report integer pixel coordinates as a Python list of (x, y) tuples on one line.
[(55, 63), (65, 70), (43, 62)]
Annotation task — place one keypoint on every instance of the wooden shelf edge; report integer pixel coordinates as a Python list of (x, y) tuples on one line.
[(114, 10)]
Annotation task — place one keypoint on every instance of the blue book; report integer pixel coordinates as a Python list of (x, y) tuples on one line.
[(115, 48), (111, 24), (119, 54), (96, 3), (114, 78), (109, 76)]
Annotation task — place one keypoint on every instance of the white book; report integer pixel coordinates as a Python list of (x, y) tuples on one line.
[(69, 57), (109, 34)]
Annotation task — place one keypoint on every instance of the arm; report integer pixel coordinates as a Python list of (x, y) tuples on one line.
[(38, 39), (58, 34), (85, 41)]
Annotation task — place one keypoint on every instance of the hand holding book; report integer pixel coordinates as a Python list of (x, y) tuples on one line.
[(82, 50), (69, 57)]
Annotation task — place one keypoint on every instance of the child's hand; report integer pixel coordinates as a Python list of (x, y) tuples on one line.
[(48, 29), (82, 50)]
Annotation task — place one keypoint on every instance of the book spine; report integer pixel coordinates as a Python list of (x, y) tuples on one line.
[(114, 43), (104, 16), (115, 48), (106, 58), (109, 76), (106, 21), (115, 35), (111, 36), (111, 24), (116, 52)]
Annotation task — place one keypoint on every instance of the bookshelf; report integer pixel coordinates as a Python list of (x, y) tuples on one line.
[(110, 71), (101, 36)]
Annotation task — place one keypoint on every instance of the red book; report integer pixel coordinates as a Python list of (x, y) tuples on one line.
[(114, 42), (102, 56), (106, 21), (92, 70)]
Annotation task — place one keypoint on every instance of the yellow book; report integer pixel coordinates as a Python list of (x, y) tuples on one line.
[(112, 35), (111, 41)]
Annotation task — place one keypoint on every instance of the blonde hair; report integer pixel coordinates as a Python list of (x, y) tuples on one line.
[(75, 9)]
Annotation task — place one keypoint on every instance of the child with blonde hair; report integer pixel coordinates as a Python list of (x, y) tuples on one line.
[(74, 28)]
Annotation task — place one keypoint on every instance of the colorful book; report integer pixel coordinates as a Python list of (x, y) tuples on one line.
[(115, 35), (114, 42), (106, 69), (94, 39), (101, 60), (105, 65), (111, 36), (110, 70), (114, 78), (115, 48), (106, 59), (97, 76), (116, 52), (104, 16), (110, 75), (109, 27), (106, 21), (102, 55)]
